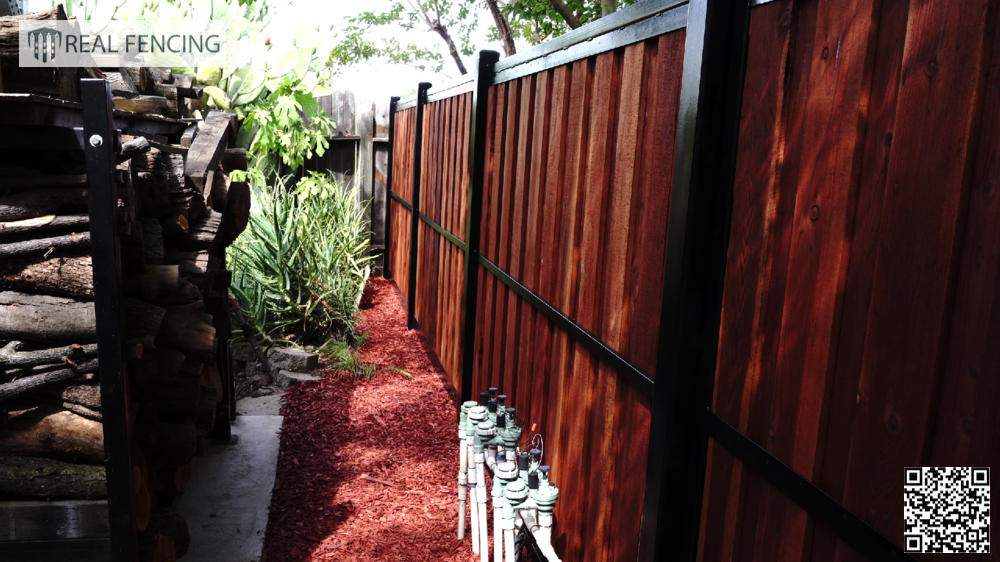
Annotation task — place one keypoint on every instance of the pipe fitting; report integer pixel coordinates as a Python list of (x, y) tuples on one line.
[(477, 415), (463, 415)]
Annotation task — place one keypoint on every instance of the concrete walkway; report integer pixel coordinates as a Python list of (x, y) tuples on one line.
[(226, 503)]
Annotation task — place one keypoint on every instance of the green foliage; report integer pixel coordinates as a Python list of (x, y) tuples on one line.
[(300, 267), (288, 125), (537, 21), (453, 19), (344, 359)]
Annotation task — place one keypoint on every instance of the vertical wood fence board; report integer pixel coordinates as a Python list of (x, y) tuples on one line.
[(913, 270), (968, 419), (747, 269), (842, 402)]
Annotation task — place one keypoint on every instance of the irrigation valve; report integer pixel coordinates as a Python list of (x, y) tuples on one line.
[(489, 436)]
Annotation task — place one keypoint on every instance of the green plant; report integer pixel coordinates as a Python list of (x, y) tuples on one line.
[(300, 267), (343, 358)]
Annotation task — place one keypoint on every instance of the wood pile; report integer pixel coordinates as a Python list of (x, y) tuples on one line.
[(178, 212)]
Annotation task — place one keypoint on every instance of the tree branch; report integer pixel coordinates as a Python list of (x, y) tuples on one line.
[(568, 16), (506, 35)]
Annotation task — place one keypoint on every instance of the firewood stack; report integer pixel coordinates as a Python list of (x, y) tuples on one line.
[(179, 212)]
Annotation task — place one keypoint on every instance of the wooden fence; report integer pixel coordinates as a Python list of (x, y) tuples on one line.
[(746, 380)]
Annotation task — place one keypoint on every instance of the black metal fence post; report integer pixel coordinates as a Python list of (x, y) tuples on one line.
[(387, 222), (485, 69), (100, 139), (697, 240), (418, 133)]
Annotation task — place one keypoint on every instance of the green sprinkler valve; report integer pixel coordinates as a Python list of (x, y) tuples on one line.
[(509, 432), (486, 435), (544, 494), (464, 413)]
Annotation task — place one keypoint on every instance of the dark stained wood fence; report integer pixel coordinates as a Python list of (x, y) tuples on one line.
[(860, 300)]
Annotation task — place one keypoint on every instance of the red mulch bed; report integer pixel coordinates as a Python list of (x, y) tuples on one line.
[(367, 468)]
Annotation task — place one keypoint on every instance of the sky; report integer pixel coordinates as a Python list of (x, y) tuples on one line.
[(372, 81)]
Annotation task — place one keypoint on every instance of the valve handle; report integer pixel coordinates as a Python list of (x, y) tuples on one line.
[(536, 454), (493, 391), (544, 469)]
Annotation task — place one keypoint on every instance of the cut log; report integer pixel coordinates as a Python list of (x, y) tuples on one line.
[(156, 547), (174, 443), (45, 223), (9, 26), (133, 148), (220, 190), (201, 234), (152, 240), (234, 221), (27, 384), (141, 318), (88, 395), (45, 318), (83, 411), (26, 477), (207, 148), (39, 202), (170, 524), (156, 282), (63, 435), (68, 276), (234, 159), (44, 246), (142, 104), (12, 356), (185, 328)]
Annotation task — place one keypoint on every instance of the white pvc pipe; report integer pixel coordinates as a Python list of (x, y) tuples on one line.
[(484, 545), (473, 512), (497, 532), (541, 528), (508, 539), (463, 480)]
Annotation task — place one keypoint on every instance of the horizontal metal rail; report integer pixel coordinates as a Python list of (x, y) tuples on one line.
[(622, 18), (463, 85), (579, 334), (432, 223), (629, 372), (658, 24), (817, 503)]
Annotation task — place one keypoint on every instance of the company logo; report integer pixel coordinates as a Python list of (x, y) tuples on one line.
[(76, 43), (44, 42)]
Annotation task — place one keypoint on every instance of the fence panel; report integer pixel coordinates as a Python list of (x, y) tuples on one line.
[(850, 345), (444, 200), (577, 179), (402, 189)]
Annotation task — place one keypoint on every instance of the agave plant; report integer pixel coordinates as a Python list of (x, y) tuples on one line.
[(301, 266)]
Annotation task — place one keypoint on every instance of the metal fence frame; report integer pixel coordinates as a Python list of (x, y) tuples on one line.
[(683, 423)]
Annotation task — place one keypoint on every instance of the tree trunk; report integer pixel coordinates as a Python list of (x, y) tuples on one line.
[(26, 477), (45, 318), (43, 246), (63, 435), (39, 202), (69, 276), (567, 15), (503, 27), (608, 6)]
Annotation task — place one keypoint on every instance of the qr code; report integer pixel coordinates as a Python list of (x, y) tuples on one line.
[(946, 510)]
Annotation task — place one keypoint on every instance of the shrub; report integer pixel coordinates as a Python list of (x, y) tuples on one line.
[(300, 267)]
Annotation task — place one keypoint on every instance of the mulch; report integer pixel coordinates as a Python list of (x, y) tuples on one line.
[(367, 468)]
